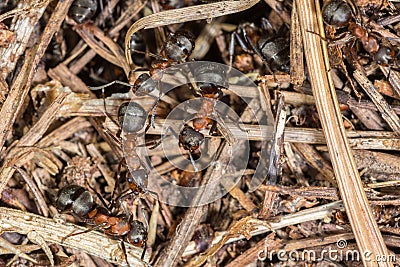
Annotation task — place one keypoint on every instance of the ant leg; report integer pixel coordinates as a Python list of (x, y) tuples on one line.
[(102, 200), (117, 180), (145, 218), (319, 35), (125, 254), (94, 88), (242, 44), (213, 130), (231, 49), (153, 114), (127, 193), (258, 52), (154, 108), (144, 251), (83, 232), (108, 115), (155, 143), (147, 53), (155, 194)]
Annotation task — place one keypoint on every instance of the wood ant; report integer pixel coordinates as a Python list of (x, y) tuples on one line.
[(339, 14), (82, 10), (132, 118), (191, 140), (213, 80), (176, 49), (80, 202), (274, 52)]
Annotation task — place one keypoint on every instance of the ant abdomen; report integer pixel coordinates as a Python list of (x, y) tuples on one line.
[(132, 117), (138, 48), (337, 13), (82, 10), (211, 75), (75, 199), (276, 52)]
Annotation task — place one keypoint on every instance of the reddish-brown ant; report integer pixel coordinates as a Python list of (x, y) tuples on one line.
[(132, 118), (176, 49), (339, 14), (80, 202), (212, 80)]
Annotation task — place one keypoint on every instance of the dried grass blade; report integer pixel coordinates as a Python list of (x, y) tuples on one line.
[(365, 229), (93, 243)]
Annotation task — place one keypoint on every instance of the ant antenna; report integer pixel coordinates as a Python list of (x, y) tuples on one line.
[(148, 54), (101, 87)]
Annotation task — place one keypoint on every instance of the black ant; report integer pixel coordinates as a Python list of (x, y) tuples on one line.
[(80, 202), (274, 51)]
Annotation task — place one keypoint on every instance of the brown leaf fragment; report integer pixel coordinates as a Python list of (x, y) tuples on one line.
[(385, 88)]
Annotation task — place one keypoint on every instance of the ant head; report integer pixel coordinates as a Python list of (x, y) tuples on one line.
[(132, 117), (190, 139), (137, 236), (384, 56), (337, 13), (143, 85), (137, 180), (179, 46)]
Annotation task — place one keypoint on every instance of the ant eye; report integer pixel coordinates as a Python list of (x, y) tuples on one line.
[(136, 241), (130, 180)]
